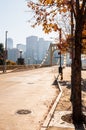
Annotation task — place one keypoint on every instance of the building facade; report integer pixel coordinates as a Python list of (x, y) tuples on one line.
[(36, 49), (9, 43), (13, 54)]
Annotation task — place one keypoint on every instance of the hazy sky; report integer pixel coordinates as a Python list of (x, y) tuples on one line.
[(13, 18)]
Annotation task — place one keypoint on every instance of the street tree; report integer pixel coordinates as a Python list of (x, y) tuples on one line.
[(47, 13), (1, 53)]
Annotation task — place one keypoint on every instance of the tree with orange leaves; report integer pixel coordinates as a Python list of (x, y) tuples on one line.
[(46, 13)]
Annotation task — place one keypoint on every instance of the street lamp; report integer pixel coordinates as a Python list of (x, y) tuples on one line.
[(60, 36), (20, 54), (5, 51), (60, 50), (60, 67)]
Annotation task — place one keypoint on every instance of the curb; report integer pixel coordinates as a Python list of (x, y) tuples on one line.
[(51, 112)]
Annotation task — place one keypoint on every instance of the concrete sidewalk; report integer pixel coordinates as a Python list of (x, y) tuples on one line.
[(54, 121)]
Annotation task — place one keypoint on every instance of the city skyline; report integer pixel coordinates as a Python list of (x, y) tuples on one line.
[(38, 38), (34, 50), (14, 18)]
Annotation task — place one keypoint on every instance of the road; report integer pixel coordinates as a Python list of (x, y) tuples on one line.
[(28, 90)]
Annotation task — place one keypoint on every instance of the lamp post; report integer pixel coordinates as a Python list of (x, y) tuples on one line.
[(60, 67), (20, 54), (60, 43), (5, 51)]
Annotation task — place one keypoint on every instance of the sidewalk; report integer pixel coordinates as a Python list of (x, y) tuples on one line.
[(63, 106), (25, 98)]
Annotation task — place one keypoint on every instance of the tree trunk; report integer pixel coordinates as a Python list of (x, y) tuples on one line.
[(76, 85)]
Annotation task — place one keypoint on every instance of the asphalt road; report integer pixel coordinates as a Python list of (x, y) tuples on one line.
[(28, 90)]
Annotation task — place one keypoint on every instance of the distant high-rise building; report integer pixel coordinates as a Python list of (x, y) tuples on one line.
[(35, 49), (13, 54), (43, 47), (21, 47), (31, 49), (9, 43)]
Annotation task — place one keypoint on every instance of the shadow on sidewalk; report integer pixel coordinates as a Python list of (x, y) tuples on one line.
[(68, 84)]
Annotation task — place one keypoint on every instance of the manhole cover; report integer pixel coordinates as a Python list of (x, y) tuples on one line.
[(22, 111), (30, 83)]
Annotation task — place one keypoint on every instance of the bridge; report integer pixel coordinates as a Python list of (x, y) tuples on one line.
[(52, 58)]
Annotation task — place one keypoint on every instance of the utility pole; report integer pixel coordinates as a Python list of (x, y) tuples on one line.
[(5, 52)]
